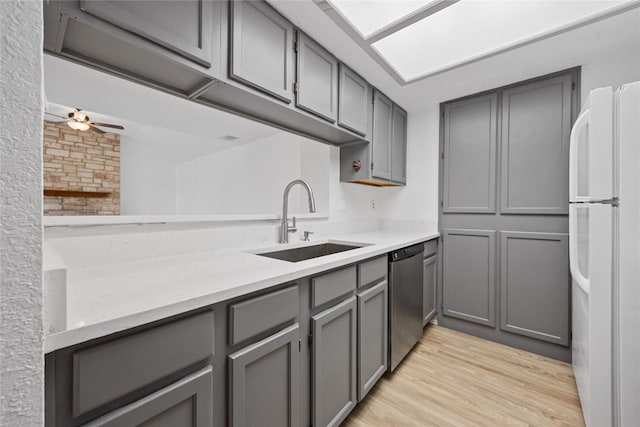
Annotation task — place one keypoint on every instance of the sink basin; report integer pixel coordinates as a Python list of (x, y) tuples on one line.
[(308, 252)]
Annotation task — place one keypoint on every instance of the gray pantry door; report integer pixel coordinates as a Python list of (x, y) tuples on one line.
[(503, 216)]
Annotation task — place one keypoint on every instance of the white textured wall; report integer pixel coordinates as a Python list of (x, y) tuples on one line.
[(21, 358)]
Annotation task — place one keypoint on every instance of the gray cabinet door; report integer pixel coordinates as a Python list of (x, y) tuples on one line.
[(186, 403), (536, 121), (317, 79), (469, 275), (534, 290), (184, 27), (429, 289), (353, 101), (470, 155), (334, 364), (261, 48), (264, 381), (399, 145), (372, 336), (382, 135)]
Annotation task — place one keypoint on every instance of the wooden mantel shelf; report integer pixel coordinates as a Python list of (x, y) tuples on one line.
[(74, 193)]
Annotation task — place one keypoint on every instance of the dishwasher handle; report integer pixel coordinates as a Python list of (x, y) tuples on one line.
[(404, 253)]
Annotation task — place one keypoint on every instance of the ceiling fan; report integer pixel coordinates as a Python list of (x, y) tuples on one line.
[(78, 120)]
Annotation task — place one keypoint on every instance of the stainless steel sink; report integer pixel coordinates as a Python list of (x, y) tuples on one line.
[(308, 252)]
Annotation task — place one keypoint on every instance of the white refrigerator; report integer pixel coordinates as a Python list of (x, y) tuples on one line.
[(604, 255)]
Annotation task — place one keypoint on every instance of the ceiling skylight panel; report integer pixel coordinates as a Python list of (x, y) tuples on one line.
[(369, 16), (470, 29)]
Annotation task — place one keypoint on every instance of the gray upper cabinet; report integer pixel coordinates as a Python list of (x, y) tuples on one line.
[(186, 403), (264, 382), (354, 101), (429, 289), (383, 161), (261, 48), (334, 364), (534, 285), (382, 136), (399, 145), (316, 79), (535, 147), (173, 45), (470, 155), (372, 336), (184, 27)]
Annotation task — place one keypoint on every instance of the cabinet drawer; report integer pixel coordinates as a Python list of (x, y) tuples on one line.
[(430, 248), (371, 271), (332, 285), (249, 318), (108, 371), (188, 402)]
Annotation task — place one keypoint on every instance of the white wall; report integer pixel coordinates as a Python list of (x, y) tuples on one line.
[(250, 179), (21, 358), (147, 179)]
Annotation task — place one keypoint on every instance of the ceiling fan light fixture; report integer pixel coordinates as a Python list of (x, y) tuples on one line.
[(78, 125)]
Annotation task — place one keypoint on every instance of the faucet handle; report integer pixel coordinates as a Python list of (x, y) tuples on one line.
[(292, 228), (306, 235)]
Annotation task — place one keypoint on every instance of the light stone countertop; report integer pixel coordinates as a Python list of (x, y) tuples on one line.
[(104, 299)]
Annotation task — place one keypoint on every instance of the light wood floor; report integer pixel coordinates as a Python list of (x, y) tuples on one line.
[(454, 379)]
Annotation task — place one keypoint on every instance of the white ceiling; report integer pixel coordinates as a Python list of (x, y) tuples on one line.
[(180, 128), (581, 46)]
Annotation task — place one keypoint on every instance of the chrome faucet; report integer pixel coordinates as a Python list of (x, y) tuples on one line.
[(285, 229)]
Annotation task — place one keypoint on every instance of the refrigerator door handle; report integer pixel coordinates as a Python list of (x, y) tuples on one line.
[(574, 146), (582, 281)]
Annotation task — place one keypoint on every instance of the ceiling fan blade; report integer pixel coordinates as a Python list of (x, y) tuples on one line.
[(55, 115), (96, 130), (106, 125), (66, 121)]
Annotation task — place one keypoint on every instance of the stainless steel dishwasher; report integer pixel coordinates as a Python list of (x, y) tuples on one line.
[(405, 301)]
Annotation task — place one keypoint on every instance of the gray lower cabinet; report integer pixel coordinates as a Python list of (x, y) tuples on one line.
[(372, 336), (261, 48), (184, 27), (429, 289), (354, 101), (334, 363), (316, 79), (186, 403), (264, 381)]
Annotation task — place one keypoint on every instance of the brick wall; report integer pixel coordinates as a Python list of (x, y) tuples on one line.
[(81, 161)]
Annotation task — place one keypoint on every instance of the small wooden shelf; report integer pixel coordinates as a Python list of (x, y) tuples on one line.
[(75, 193)]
